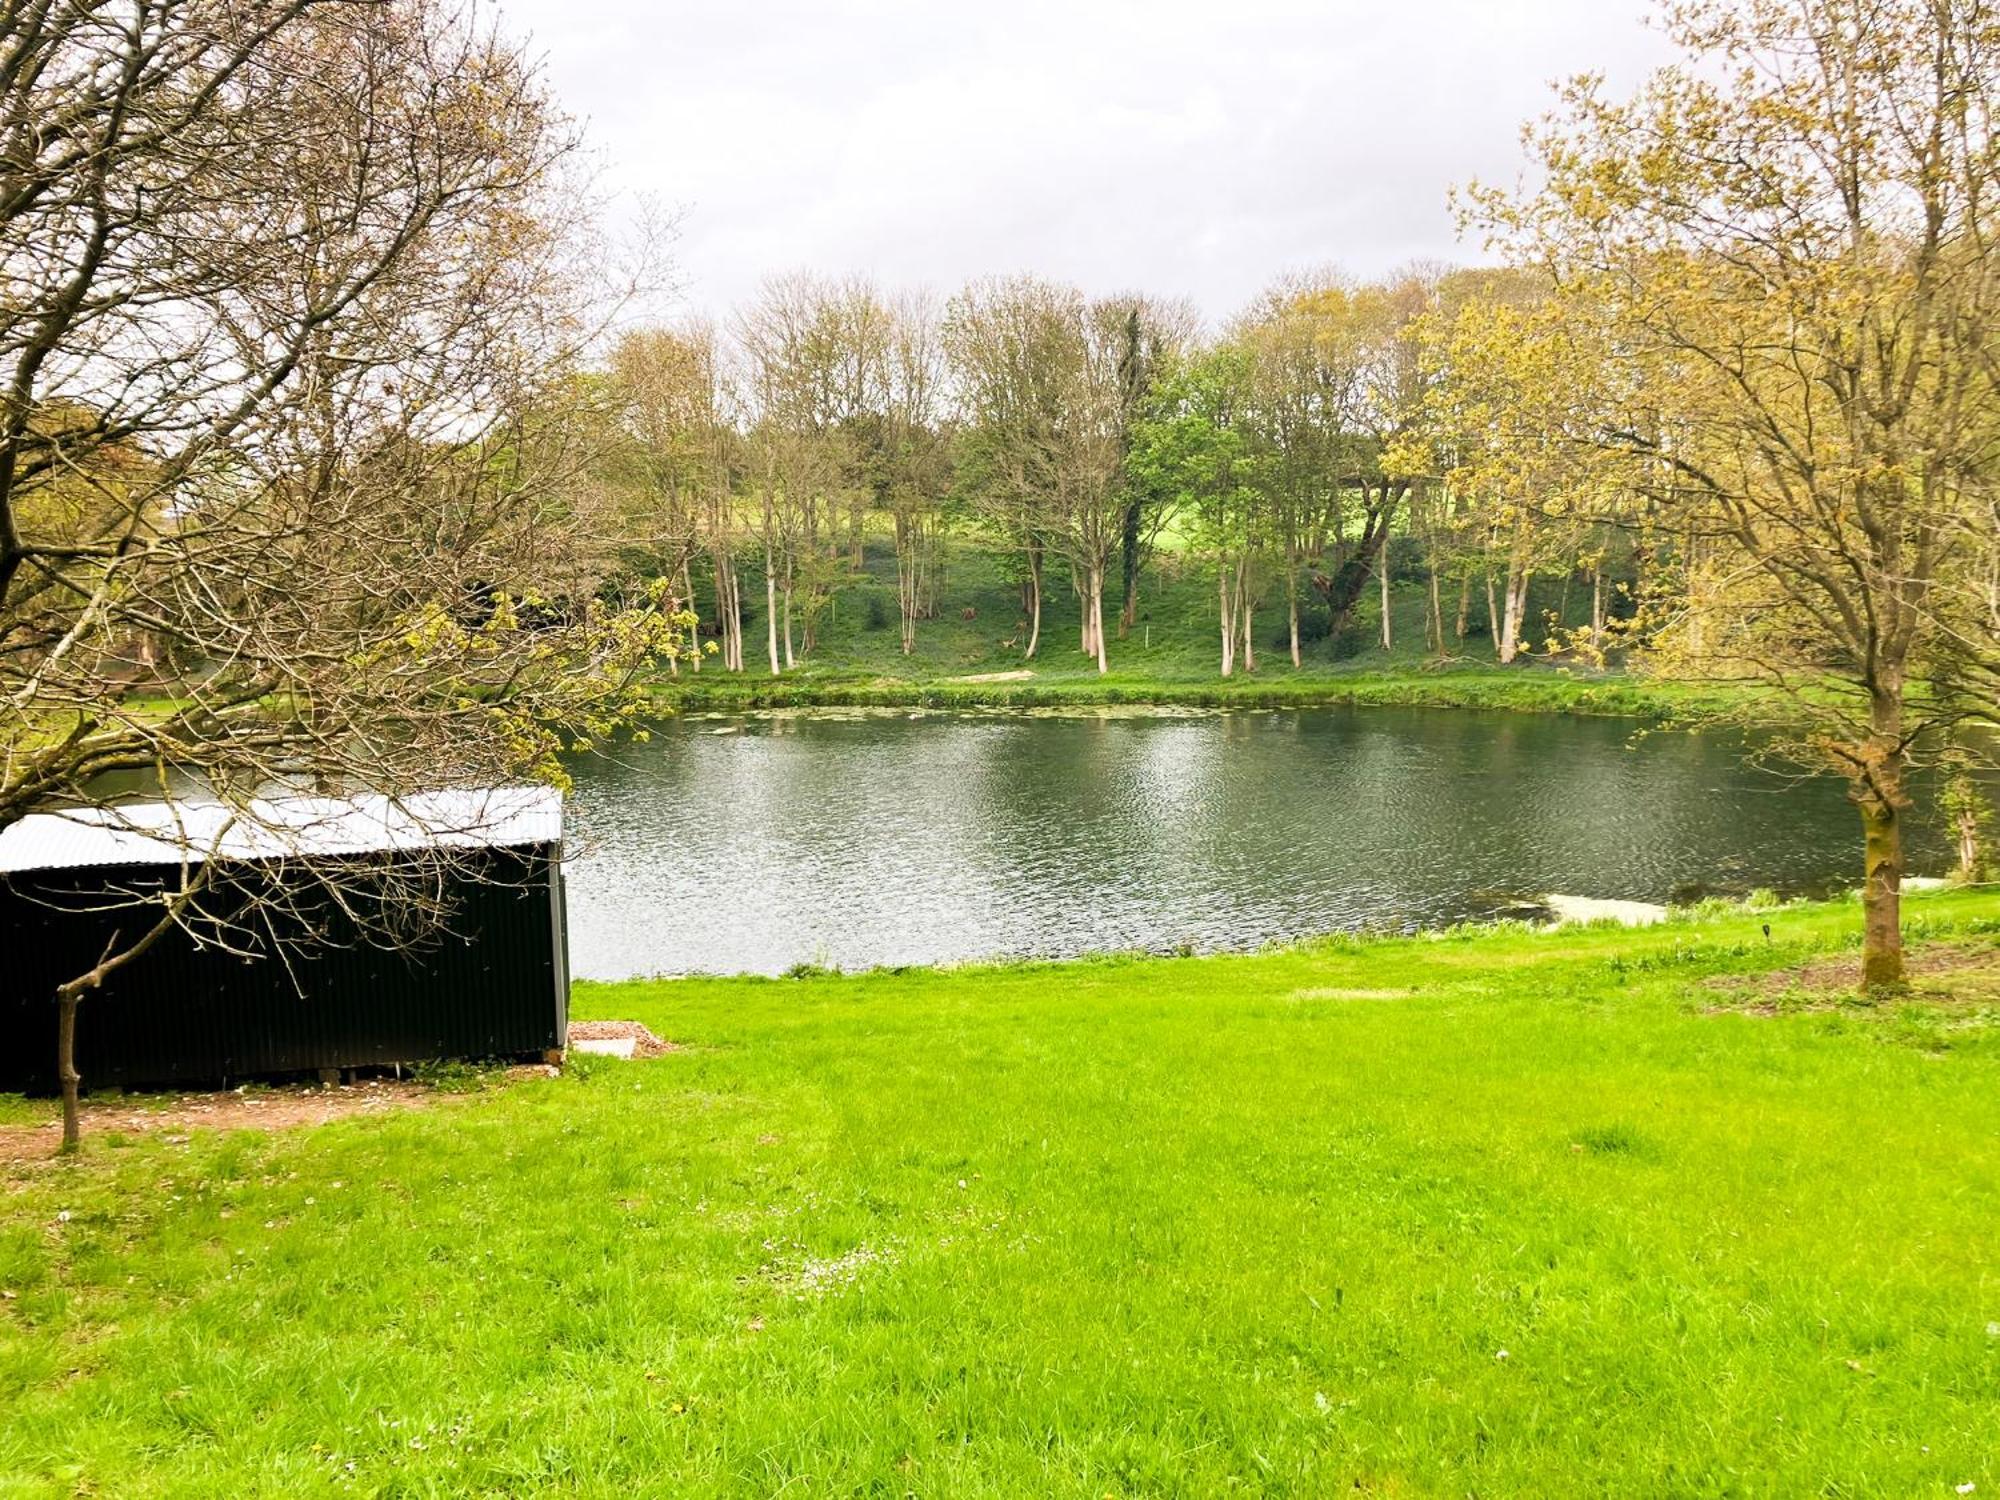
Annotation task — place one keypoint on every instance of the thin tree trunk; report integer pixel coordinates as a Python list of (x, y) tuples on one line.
[(67, 999), (1249, 628), (1293, 604), (687, 603), (1034, 586), (1388, 635), (1226, 612), (1097, 616), (1492, 613), (1464, 606), (1517, 600), (1597, 608), (1437, 615), (771, 608), (1128, 607)]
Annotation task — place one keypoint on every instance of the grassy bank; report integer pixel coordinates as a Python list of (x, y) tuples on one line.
[(971, 655), (1591, 1212), (1528, 689)]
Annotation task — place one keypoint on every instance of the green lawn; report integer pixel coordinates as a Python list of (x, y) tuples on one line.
[(1512, 1214)]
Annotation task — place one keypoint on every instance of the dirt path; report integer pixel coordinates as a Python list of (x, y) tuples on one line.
[(247, 1109)]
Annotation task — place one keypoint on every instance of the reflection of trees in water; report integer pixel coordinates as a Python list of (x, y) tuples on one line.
[(865, 839)]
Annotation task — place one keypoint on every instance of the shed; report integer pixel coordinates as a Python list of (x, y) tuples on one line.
[(490, 981)]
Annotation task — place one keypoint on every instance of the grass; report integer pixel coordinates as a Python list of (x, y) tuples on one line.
[(1503, 1213), (1171, 656)]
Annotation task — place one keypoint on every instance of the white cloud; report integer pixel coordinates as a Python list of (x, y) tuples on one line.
[(1179, 148)]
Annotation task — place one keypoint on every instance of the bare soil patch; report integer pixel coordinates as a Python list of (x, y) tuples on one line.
[(1942, 974), (644, 1042), (284, 1108)]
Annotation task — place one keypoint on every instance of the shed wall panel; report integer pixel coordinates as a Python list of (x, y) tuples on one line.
[(491, 983)]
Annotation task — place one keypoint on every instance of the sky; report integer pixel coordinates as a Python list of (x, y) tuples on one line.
[(1176, 148)]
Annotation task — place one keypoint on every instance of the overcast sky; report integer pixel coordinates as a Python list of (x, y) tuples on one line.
[(1155, 145)]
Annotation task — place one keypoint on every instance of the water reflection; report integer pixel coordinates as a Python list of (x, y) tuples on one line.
[(858, 840)]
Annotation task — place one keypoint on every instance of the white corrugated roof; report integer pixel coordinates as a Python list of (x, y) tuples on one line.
[(163, 833)]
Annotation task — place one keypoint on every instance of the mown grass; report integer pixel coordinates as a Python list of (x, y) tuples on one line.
[(1499, 1214)]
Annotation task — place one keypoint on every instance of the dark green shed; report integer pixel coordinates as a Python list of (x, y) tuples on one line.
[(324, 992)]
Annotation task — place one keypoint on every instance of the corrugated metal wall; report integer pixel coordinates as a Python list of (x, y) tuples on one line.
[(494, 983)]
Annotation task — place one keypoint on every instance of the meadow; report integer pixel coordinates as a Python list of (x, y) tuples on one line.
[(1495, 1212)]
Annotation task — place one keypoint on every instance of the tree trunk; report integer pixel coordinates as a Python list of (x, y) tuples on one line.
[(1597, 608), (736, 661), (1034, 586), (1510, 625), (1882, 892), (687, 603), (1464, 606), (1128, 608), (1293, 604), (1097, 616), (68, 996), (908, 579), (1249, 629), (771, 608), (730, 594), (1388, 635), (1437, 615), (1226, 612)]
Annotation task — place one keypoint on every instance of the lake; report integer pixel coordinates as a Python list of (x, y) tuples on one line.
[(854, 839)]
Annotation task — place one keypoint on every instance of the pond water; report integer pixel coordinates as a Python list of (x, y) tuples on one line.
[(856, 839)]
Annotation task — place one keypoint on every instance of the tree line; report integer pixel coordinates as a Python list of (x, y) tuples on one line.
[(1071, 434)]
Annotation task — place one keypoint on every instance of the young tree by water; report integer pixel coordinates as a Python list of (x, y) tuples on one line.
[(1789, 240), (1505, 434), (672, 472), (290, 455), (1200, 453), (1037, 369), (815, 358)]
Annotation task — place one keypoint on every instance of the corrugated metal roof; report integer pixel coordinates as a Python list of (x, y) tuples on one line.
[(166, 833)]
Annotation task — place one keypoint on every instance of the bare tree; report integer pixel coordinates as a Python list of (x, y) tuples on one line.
[(287, 446)]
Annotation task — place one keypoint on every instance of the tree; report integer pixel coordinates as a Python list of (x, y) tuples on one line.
[(818, 357), (1151, 333), (1509, 428), (287, 439), (912, 454), (1301, 408), (672, 471), (1200, 452), (1037, 371), (1788, 241)]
